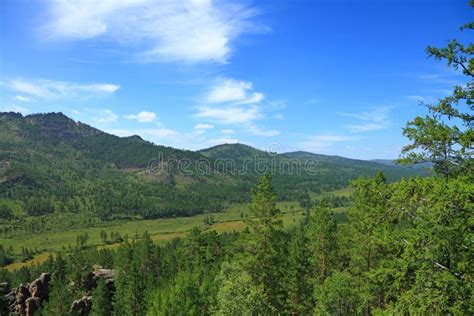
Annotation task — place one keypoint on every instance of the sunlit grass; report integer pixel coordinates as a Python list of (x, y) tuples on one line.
[(232, 219)]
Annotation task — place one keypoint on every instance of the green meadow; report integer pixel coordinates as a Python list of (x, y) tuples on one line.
[(161, 230), (231, 219)]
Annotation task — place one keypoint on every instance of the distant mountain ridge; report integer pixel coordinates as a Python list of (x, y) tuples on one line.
[(51, 163), (392, 162)]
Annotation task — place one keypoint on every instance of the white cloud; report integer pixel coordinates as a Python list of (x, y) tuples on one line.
[(228, 131), (367, 127), (43, 88), (230, 114), (14, 108), (257, 131), (202, 126), (220, 141), (120, 132), (417, 98), (162, 136), (21, 98), (376, 119), (189, 31), (255, 97), (230, 90), (156, 132), (233, 102), (330, 138), (104, 116), (321, 143), (142, 117), (450, 78)]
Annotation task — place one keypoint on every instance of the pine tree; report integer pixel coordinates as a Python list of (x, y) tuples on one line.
[(266, 248), (101, 299), (238, 294), (322, 237), (300, 287), (59, 297), (445, 136)]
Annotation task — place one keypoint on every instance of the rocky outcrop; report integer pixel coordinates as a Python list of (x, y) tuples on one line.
[(22, 293), (82, 306), (40, 287), (32, 304), (27, 299), (108, 275)]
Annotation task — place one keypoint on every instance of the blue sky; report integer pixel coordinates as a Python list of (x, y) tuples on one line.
[(331, 77)]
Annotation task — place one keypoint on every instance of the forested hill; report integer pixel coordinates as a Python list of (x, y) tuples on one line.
[(51, 163)]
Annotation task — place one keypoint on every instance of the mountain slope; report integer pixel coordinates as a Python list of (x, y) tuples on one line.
[(50, 163)]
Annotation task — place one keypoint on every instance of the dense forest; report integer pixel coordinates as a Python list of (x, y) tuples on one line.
[(403, 248), (55, 172)]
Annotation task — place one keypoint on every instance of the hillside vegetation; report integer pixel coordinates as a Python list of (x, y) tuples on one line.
[(386, 246), (51, 164)]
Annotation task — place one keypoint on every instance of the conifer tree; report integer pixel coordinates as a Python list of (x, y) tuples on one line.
[(300, 298), (445, 137), (101, 299), (322, 237), (266, 249)]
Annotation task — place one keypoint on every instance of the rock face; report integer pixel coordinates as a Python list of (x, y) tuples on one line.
[(82, 306), (107, 275), (27, 299), (40, 287), (21, 295), (32, 305)]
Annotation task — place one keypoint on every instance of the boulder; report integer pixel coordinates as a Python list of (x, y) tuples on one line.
[(32, 305), (39, 287), (106, 274), (21, 295), (82, 306)]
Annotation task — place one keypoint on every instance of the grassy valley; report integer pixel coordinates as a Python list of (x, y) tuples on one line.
[(62, 175)]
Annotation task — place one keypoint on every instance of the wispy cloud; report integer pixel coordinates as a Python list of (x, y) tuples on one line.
[(21, 98), (157, 132), (14, 108), (228, 131), (257, 131), (417, 98), (230, 114), (189, 31), (142, 117), (164, 136), (427, 99), (202, 126), (103, 116), (43, 88), (220, 141), (154, 133), (373, 120), (446, 78), (321, 143), (230, 90)]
